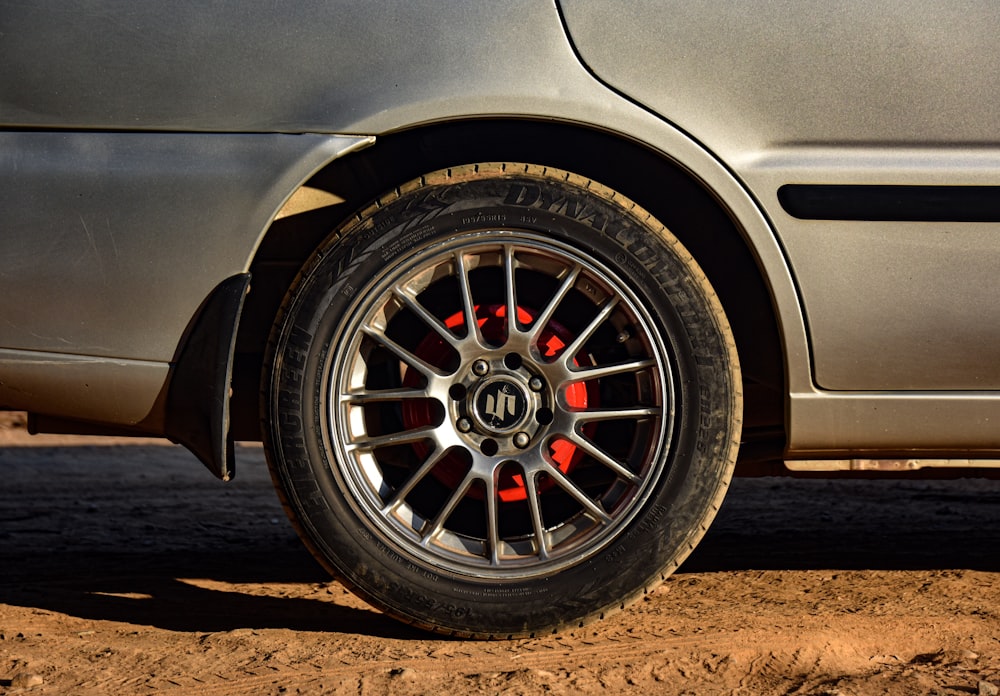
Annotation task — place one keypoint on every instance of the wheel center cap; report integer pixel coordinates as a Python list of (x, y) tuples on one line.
[(500, 405)]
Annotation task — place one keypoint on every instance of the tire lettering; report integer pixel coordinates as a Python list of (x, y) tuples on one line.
[(289, 421), (289, 400), (557, 204), (297, 464), (384, 224), (421, 208), (595, 219), (299, 338), (404, 242), (635, 269), (316, 502), (294, 359), (414, 598), (487, 591), (396, 558), (650, 523), (535, 197), (522, 194), (481, 219)]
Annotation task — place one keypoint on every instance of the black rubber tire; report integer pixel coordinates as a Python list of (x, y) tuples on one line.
[(678, 492)]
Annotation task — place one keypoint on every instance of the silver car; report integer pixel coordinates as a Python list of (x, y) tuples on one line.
[(507, 289)]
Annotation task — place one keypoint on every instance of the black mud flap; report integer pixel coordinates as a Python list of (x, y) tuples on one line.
[(198, 399)]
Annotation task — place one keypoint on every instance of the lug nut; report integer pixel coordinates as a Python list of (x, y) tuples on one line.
[(464, 425), (480, 368), (522, 440), (535, 384)]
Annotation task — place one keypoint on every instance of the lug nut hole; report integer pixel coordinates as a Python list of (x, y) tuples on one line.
[(457, 392), (512, 361), (543, 416), (489, 447)]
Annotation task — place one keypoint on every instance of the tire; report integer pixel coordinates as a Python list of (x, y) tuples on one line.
[(520, 477)]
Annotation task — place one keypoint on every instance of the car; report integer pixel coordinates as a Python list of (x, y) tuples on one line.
[(509, 290)]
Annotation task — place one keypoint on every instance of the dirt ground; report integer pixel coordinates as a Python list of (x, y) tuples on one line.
[(128, 569)]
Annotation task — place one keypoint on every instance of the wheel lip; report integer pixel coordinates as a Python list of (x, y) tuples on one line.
[(333, 416)]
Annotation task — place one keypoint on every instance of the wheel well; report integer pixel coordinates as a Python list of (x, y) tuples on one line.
[(659, 185)]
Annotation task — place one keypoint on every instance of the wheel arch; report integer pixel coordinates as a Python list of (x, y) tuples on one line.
[(663, 187)]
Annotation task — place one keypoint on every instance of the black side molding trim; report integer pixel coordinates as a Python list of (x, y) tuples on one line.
[(198, 398), (891, 203)]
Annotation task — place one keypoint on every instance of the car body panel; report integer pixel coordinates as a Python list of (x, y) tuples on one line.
[(893, 305), (111, 241), (758, 75), (106, 155), (488, 67), (255, 66), (103, 390), (859, 93), (880, 424)]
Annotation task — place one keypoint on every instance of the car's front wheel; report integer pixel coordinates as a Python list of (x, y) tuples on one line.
[(502, 400)]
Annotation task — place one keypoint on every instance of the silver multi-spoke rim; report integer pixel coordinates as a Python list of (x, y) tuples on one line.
[(520, 445)]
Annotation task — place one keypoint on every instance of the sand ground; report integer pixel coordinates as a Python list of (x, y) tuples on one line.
[(128, 569)]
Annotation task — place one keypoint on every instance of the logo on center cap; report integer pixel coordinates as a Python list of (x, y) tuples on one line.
[(501, 405)]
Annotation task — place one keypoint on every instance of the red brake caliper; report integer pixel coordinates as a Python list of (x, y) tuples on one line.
[(492, 320)]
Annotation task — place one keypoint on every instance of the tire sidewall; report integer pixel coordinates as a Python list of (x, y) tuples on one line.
[(677, 506)]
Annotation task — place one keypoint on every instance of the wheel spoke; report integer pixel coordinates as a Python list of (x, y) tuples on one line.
[(468, 303), (604, 458), (403, 437), (542, 320), (381, 395), (432, 321), (595, 510), (510, 295), (492, 521), (437, 524), (581, 374), (573, 348), (535, 508), (591, 415), (429, 371), (432, 460)]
